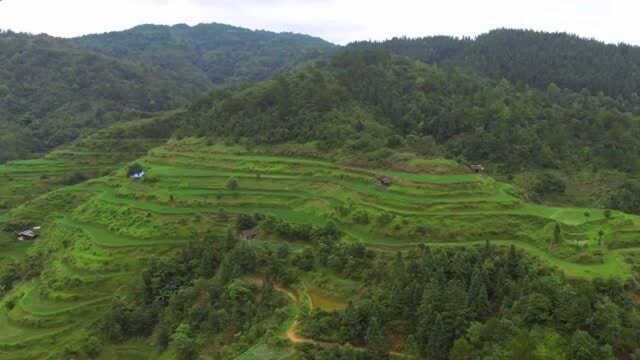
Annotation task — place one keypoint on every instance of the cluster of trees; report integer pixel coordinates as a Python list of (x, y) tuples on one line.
[(192, 296), (481, 303), (12, 272), (302, 232), (200, 295), (626, 197), (533, 58)]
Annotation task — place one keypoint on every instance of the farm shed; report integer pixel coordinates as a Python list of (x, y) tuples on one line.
[(30, 234), (385, 181), (249, 234), (138, 175)]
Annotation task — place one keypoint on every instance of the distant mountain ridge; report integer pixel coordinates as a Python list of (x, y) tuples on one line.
[(533, 58), (53, 90), (209, 54)]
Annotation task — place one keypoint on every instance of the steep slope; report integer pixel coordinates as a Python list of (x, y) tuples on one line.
[(533, 58), (364, 100), (210, 54), (122, 259), (89, 157), (52, 92)]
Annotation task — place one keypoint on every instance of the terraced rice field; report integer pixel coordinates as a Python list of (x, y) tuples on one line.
[(108, 239)]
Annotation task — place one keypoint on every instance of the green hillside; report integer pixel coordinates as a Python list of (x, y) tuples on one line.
[(90, 157), (209, 54), (54, 91), (100, 236), (365, 206), (560, 146), (534, 58)]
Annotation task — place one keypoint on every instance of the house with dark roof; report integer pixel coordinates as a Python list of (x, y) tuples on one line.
[(30, 234)]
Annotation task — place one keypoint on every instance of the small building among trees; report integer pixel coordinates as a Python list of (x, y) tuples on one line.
[(136, 172), (29, 234), (138, 175), (476, 168), (385, 181), (249, 234)]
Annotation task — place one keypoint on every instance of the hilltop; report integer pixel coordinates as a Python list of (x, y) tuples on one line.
[(53, 91), (535, 58), (210, 54)]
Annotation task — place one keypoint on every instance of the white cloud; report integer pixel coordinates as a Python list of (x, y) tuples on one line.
[(339, 21)]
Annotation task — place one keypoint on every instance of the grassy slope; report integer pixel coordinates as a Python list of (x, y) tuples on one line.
[(104, 231)]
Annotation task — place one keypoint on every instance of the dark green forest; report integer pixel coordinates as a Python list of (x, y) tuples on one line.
[(209, 54), (533, 58), (53, 90)]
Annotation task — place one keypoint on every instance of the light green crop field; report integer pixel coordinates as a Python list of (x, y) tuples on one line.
[(105, 231)]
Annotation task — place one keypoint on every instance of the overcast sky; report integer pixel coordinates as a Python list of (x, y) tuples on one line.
[(339, 21)]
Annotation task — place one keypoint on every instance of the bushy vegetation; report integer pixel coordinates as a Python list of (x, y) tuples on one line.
[(479, 302), (167, 261)]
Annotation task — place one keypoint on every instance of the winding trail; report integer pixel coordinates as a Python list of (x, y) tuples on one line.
[(295, 338)]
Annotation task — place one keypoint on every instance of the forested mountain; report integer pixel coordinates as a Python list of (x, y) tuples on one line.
[(52, 90), (533, 58), (209, 54), (367, 99), (326, 212)]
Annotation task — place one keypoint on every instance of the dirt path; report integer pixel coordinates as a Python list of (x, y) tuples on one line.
[(293, 335)]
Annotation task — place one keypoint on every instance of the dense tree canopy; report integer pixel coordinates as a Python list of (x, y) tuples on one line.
[(209, 54), (54, 90), (533, 58), (366, 99)]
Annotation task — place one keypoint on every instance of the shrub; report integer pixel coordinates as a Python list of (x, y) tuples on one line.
[(246, 222), (92, 347), (385, 219), (361, 217), (547, 183), (394, 141), (184, 342), (73, 179), (626, 198), (232, 184)]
